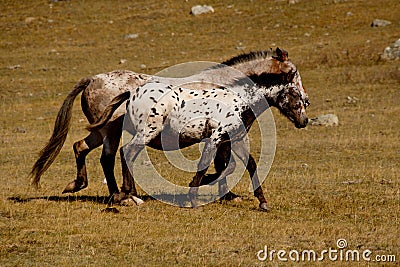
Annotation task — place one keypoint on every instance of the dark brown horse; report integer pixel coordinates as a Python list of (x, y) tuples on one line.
[(263, 67)]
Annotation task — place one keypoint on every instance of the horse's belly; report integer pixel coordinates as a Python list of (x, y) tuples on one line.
[(166, 141)]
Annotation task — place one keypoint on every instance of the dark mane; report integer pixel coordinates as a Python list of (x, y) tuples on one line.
[(248, 57)]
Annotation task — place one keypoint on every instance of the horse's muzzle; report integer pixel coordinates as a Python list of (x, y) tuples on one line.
[(302, 123)]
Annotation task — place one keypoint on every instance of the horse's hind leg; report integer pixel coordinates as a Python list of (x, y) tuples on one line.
[(81, 149), (107, 159), (221, 162), (205, 160)]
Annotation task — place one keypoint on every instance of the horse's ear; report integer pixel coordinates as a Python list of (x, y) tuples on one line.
[(281, 55)]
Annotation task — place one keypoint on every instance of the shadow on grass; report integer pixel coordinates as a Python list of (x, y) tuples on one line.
[(181, 200), (69, 198)]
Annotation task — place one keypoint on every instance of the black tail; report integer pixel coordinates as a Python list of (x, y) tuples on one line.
[(61, 127)]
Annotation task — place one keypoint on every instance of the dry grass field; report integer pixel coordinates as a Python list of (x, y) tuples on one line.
[(325, 184)]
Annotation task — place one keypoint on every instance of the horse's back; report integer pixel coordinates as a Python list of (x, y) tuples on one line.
[(104, 87)]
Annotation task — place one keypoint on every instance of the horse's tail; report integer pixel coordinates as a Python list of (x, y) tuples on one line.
[(61, 126), (109, 111)]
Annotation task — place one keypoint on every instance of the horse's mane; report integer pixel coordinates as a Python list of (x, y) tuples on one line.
[(249, 56)]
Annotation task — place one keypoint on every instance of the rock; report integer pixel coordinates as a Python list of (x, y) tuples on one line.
[(352, 100), (29, 20), (325, 120), (392, 52), (14, 67), (292, 2), (380, 23), (131, 36), (352, 181), (122, 61), (198, 10), (20, 130)]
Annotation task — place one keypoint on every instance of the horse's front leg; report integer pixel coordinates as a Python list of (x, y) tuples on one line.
[(81, 149), (205, 160), (251, 166)]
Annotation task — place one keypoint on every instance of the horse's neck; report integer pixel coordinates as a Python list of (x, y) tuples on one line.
[(259, 99)]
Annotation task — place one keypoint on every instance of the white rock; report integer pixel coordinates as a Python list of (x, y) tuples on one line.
[(325, 120), (198, 10), (14, 67), (393, 51), (29, 20), (380, 23), (131, 36)]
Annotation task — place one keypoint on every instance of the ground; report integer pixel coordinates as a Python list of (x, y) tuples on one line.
[(325, 184)]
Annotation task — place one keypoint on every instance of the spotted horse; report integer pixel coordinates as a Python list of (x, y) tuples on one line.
[(167, 117), (263, 67)]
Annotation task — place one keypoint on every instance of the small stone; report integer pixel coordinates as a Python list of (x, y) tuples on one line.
[(325, 120), (14, 67), (352, 181), (131, 36), (122, 61), (20, 130), (143, 66), (352, 100), (198, 10), (29, 20), (380, 23)]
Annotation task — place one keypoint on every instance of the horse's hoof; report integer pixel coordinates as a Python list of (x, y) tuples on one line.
[(118, 198), (137, 200), (264, 206), (231, 197), (127, 202), (73, 187), (237, 199), (131, 201)]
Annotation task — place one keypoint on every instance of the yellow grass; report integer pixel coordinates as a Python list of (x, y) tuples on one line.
[(326, 183)]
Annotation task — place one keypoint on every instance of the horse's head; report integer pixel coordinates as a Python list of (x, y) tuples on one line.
[(290, 102)]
